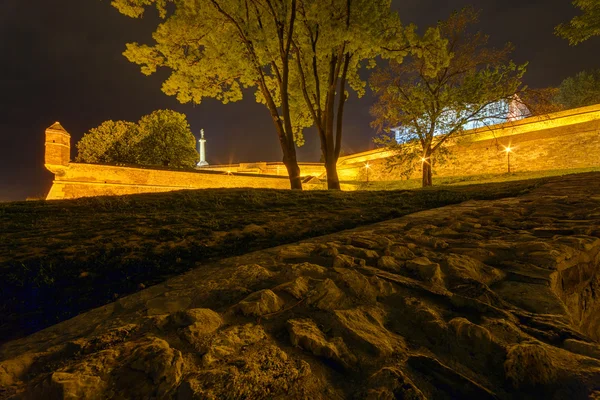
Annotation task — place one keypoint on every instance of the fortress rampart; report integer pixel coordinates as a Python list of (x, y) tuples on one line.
[(564, 140), (73, 180)]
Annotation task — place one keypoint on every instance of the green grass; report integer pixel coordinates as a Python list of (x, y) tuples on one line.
[(59, 258), (466, 180)]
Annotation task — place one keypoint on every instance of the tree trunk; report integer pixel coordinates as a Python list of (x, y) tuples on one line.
[(427, 175), (291, 164), (333, 181), (328, 147), (285, 135), (289, 148)]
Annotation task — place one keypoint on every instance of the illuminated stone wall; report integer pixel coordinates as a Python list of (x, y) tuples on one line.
[(565, 140), (268, 168), (74, 180), (81, 180)]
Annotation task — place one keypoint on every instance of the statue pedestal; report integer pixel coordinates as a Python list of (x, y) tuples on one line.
[(202, 141)]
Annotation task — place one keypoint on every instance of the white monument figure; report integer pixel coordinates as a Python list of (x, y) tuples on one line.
[(202, 162)]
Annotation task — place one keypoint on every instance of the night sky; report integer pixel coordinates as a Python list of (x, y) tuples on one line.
[(61, 61)]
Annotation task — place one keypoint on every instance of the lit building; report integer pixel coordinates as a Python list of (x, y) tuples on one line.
[(493, 114)]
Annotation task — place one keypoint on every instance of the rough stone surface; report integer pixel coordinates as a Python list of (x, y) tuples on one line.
[(426, 270), (261, 303), (486, 299), (209, 319), (366, 325), (153, 369), (583, 348), (389, 263), (391, 383), (306, 334)]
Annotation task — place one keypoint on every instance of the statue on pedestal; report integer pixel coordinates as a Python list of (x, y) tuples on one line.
[(202, 162)]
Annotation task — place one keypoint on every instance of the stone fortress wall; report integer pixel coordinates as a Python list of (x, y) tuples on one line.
[(74, 180), (564, 140)]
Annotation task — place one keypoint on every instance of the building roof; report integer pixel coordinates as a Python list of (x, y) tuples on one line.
[(57, 127)]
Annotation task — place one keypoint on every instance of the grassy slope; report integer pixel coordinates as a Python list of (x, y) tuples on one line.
[(469, 179), (59, 258)]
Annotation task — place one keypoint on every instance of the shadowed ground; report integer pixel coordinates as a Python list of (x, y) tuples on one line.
[(59, 258), (485, 299)]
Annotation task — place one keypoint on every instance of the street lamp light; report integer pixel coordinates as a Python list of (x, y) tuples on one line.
[(367, 166), (508, 150)]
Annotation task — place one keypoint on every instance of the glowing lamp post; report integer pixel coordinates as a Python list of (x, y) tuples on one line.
[(508, 151), (367, 166)]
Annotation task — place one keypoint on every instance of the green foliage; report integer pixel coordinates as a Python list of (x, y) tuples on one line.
[(580, 90), (300, 56), (450, 78), (583, 26), (111, 142), (167, 140), (161, 138), (217, 48), (332, 41), (329, 32)]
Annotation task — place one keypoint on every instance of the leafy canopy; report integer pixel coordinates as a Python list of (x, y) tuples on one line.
[(450, 79), (160, 138), (327, 31), (333, 40), (584, 26), (111, 142), (580, 90), (218, 48)]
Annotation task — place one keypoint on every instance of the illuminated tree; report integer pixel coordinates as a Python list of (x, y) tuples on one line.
[(161, 138), (583, 26), (299, 55), (450, 80), (167, 140), (216, 48), (111, 142), (332, 40), (580, 90)]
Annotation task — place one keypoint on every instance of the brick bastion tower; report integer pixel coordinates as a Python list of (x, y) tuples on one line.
[(58, 146), (57, 155)]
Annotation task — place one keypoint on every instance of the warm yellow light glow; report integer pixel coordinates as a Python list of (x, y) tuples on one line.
[(507, 149), (367, 166), (424, 160)]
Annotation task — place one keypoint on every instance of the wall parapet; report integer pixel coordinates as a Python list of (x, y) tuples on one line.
[(82, 180)]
